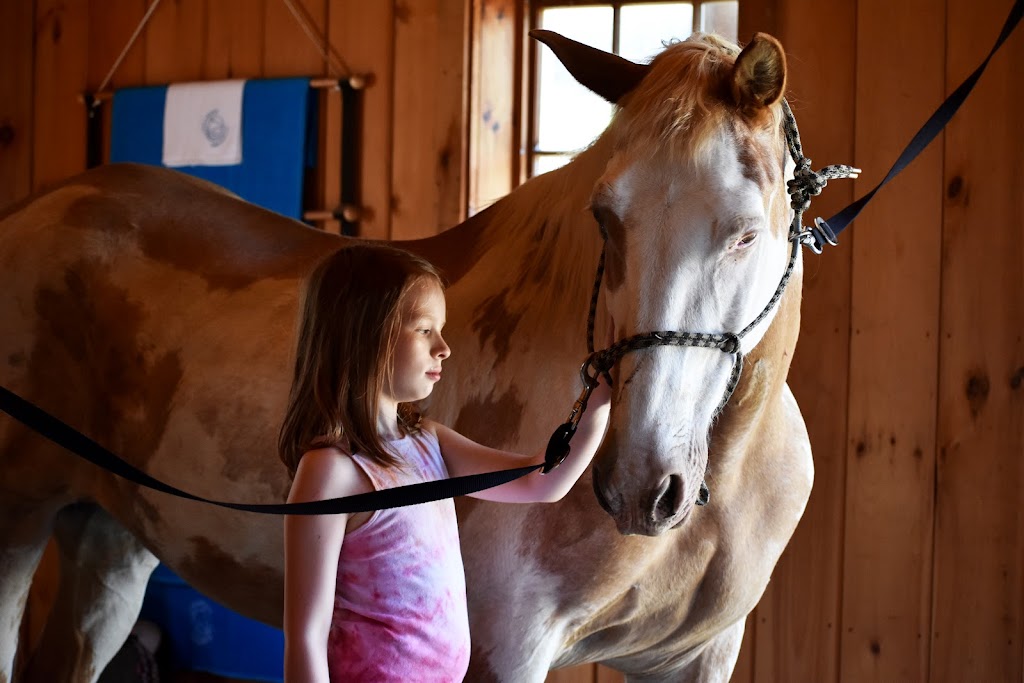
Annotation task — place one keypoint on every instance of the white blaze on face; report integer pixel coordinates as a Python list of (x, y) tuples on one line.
[(704, 250)]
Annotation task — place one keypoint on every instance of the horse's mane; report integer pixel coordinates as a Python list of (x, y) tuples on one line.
[(683, 99)]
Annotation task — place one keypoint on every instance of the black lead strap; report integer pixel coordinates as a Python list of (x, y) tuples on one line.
[(63, 435), (930, 129)]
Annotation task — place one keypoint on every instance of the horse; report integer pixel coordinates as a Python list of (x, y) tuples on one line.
[(155, 313)]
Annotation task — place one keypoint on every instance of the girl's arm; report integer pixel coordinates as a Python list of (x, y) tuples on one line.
[(312, 544), (463, 456)]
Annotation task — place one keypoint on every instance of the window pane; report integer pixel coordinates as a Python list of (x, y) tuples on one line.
[(569, 116), (542, 163), (721, 17), (644, 29)]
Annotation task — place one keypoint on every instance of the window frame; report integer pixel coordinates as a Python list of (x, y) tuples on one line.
[(530, 76)]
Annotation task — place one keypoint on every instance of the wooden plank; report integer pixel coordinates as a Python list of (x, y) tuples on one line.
[(16, 93), (977, 625), (234, 39), (493, 146), (111, 24), (605, 675), (176, 42), (428, 156), (797, 621), (743, 672), (575, 674), (893, 349), (362, 33), (61, 62), (287, 50)]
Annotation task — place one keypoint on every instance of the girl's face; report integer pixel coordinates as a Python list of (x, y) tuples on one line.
[(420, 348)]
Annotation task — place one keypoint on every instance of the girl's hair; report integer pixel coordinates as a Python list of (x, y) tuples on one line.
[(350, 318)]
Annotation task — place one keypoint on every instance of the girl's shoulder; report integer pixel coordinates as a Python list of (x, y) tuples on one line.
[(325, 473)]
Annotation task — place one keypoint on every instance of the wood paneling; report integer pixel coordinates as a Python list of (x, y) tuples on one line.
[(361, 27), (979, 537), (235, 36), (61, 71), (429, 105), (111, 25), (287, 50), (796, 624), (176, 42), (16, 100), (893, 350)]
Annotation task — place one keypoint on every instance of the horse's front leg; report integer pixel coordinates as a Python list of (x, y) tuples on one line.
[(517, 645)]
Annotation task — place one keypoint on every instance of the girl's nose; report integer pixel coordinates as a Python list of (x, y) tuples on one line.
[(442, 350)]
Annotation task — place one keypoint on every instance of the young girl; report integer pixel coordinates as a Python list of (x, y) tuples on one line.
[(380, 596)]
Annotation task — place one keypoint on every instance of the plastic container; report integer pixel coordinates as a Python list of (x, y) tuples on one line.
[(201, 635)]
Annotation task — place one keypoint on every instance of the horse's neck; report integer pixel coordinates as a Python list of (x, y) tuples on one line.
[(521, 275), (531, 256)]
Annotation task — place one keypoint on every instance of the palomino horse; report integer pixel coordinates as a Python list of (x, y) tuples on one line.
[(155, 313)]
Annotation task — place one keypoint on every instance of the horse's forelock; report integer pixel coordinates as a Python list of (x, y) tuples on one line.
[(684, 100)]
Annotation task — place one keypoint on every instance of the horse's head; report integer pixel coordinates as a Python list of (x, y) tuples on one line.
[(694, 205)]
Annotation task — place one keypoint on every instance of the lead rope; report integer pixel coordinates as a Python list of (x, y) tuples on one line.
[(806, 183)]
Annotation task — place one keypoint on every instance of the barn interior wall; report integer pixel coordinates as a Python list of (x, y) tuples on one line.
[(909, 562)]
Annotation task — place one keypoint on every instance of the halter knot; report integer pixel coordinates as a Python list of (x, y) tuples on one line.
[(806, 183)]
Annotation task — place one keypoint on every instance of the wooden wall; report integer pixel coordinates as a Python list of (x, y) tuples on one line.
[(909, 562), (907, 565), (413, 167)]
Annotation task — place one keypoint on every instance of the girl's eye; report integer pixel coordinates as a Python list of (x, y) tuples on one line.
[(745, 241)]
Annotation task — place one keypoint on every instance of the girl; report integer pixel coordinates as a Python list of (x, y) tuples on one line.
[(380, 596)]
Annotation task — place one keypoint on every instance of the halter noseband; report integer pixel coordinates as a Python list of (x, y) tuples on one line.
[(806, 183)]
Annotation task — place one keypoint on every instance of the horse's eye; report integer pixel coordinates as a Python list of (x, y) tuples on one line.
[(745, 241), (604, 218)]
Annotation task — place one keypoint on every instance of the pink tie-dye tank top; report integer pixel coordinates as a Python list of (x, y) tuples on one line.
[(400, 605)]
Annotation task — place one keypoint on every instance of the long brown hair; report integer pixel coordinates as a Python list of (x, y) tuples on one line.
[(350, 317)]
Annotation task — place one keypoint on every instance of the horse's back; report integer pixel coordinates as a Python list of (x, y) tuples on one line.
[(123, 292)]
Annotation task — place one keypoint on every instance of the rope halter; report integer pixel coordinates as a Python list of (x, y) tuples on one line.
[(806, 183)]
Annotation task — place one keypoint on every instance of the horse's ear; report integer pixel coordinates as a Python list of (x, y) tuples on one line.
[(607, 75), (759, 76)]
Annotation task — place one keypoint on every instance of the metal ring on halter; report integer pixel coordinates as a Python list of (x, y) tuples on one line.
[(730, 343), (588, 379)]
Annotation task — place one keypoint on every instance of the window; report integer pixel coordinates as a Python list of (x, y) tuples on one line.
[(634, 30)]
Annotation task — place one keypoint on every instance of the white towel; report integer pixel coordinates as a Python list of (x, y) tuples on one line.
[(203, 124)]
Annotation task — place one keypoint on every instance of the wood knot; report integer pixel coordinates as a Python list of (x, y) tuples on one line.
[(6, 134), (1017, 378), (977, 392), (955, 187)]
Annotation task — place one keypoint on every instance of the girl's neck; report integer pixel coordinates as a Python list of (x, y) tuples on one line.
[(387, 421)]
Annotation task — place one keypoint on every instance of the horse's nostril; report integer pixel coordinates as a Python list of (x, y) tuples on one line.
[(667, 504)]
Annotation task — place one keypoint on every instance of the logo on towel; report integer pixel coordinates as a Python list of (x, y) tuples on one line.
[(215, 128)]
